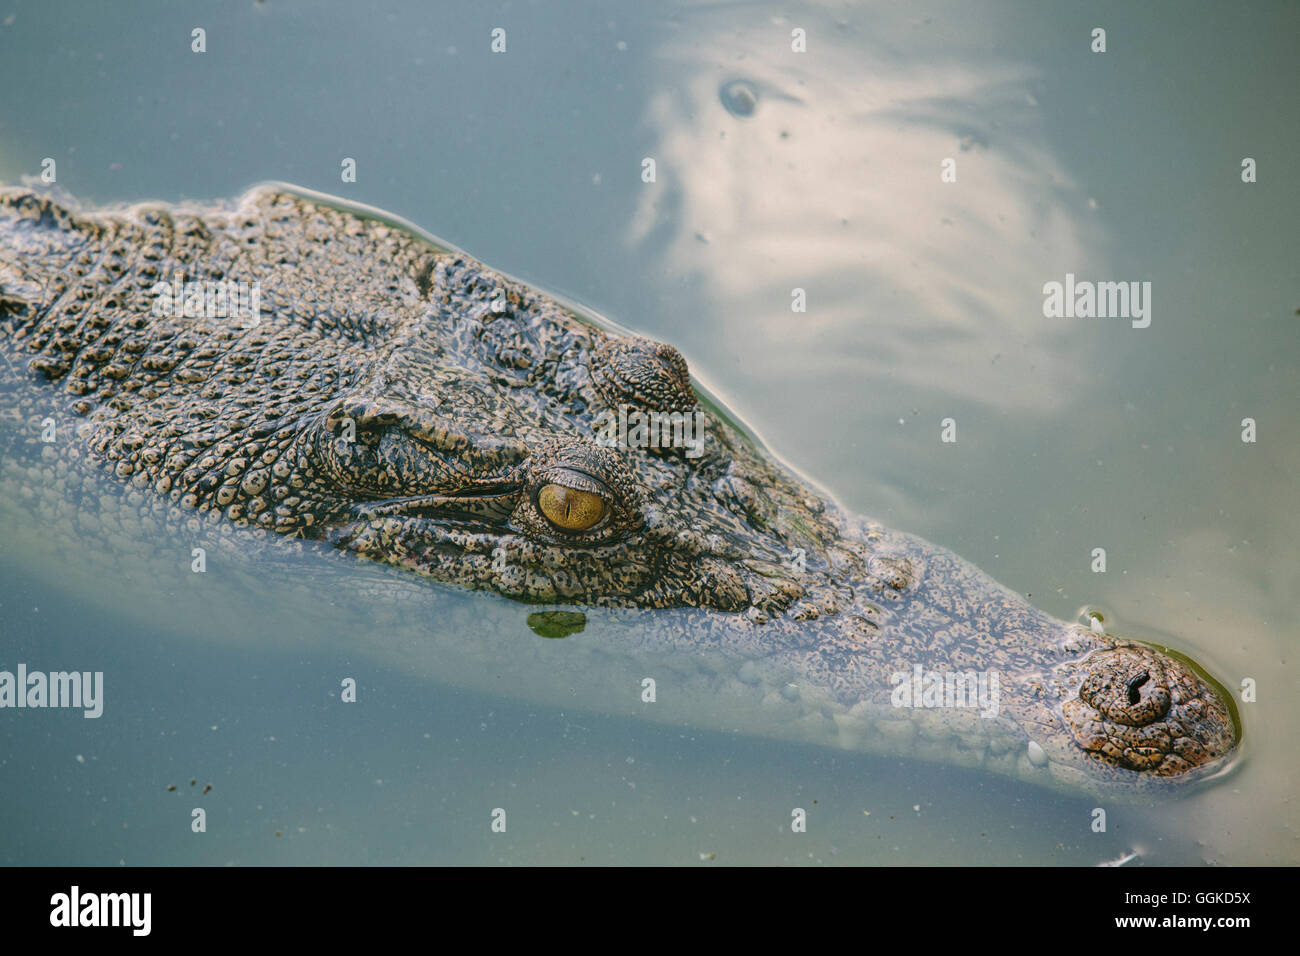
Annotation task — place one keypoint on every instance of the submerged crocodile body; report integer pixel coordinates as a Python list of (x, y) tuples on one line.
[(341, 379)]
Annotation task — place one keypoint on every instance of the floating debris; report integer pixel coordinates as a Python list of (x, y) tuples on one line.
[(555, 624), (1120, 860)]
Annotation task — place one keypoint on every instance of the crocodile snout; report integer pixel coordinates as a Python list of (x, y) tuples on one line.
[(1142, 710)]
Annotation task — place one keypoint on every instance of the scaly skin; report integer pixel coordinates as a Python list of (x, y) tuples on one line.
[(399, 400)]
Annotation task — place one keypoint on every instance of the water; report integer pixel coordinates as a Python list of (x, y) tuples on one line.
[(820, 171)]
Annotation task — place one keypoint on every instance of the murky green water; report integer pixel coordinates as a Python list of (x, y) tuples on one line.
[(924, 302)]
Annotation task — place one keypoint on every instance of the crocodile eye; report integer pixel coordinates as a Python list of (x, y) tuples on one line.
[(571, 509)]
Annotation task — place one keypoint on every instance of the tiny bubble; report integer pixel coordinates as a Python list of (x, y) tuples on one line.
[(739, 98)]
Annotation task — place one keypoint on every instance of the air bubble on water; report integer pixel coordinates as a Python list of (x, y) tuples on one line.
[(739, 98), (1093, 619)]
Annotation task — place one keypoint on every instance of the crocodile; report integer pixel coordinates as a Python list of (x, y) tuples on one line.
[(292, 367)]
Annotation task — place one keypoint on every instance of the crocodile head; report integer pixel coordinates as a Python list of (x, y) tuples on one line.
[(591, 473), (399, 400)]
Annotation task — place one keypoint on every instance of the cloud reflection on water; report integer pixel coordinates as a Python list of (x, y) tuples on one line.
[(832, 185)]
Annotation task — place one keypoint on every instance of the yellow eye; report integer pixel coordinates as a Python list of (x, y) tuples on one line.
[(570, 509)]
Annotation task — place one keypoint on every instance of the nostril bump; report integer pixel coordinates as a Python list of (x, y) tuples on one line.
[(1133, 685)]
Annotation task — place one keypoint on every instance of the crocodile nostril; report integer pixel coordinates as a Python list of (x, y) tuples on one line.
[(1133, 685), (1120, 692), (1140, 710)]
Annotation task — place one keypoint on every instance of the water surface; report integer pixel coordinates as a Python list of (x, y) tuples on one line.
[(820, 172)]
